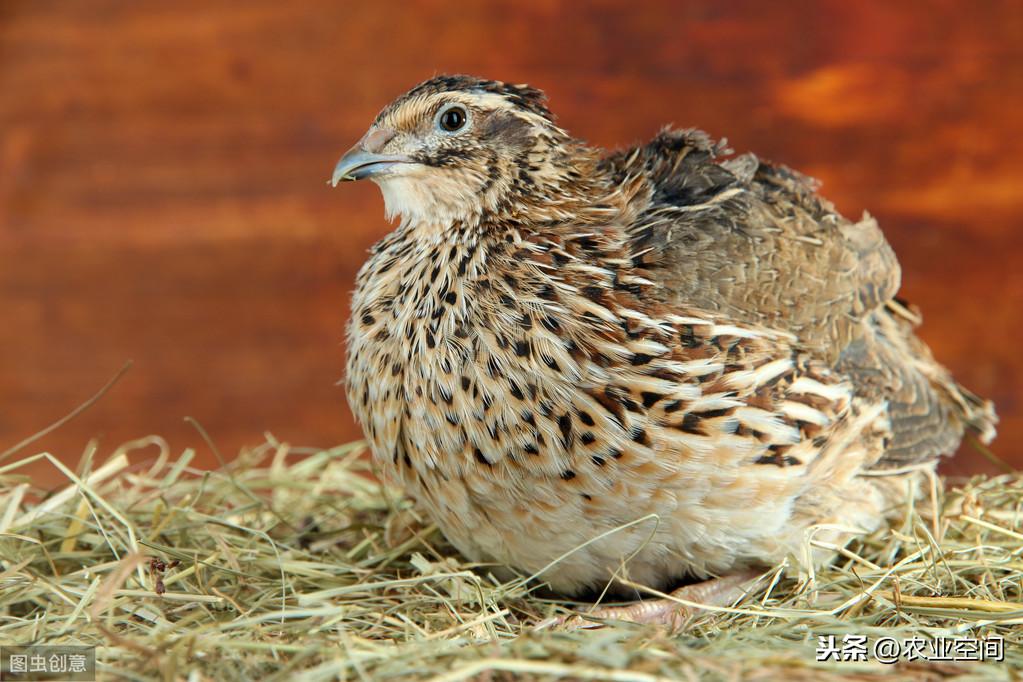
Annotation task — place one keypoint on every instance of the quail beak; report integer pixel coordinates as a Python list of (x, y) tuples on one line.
[(364, 160)]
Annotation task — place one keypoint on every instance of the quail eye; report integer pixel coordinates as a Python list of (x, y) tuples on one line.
[(452, 119)]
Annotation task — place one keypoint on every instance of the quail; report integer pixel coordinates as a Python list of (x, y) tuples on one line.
[(662, 362)]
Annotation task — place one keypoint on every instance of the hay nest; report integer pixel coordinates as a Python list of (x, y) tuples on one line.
[(294, 563)]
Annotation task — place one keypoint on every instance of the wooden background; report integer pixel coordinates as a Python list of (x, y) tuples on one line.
[(163, 168)]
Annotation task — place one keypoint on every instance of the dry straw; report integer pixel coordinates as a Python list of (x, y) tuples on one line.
[(295, 564)]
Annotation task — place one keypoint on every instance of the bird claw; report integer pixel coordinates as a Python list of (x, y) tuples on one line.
[(668, 612)]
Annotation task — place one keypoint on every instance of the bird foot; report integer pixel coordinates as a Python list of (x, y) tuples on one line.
[(402, 527), (671, 611)]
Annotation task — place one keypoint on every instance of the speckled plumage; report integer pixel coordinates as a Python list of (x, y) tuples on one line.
[(664, 358)]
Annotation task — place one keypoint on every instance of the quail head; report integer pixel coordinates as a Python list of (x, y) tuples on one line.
[(663, 361)]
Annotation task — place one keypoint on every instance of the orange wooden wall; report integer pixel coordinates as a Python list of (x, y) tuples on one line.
[(163, 168)]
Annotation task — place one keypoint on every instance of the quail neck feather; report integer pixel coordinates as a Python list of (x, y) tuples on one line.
[(659, 362)]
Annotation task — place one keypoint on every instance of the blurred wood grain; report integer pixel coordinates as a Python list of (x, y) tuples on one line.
[(163, 168)]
